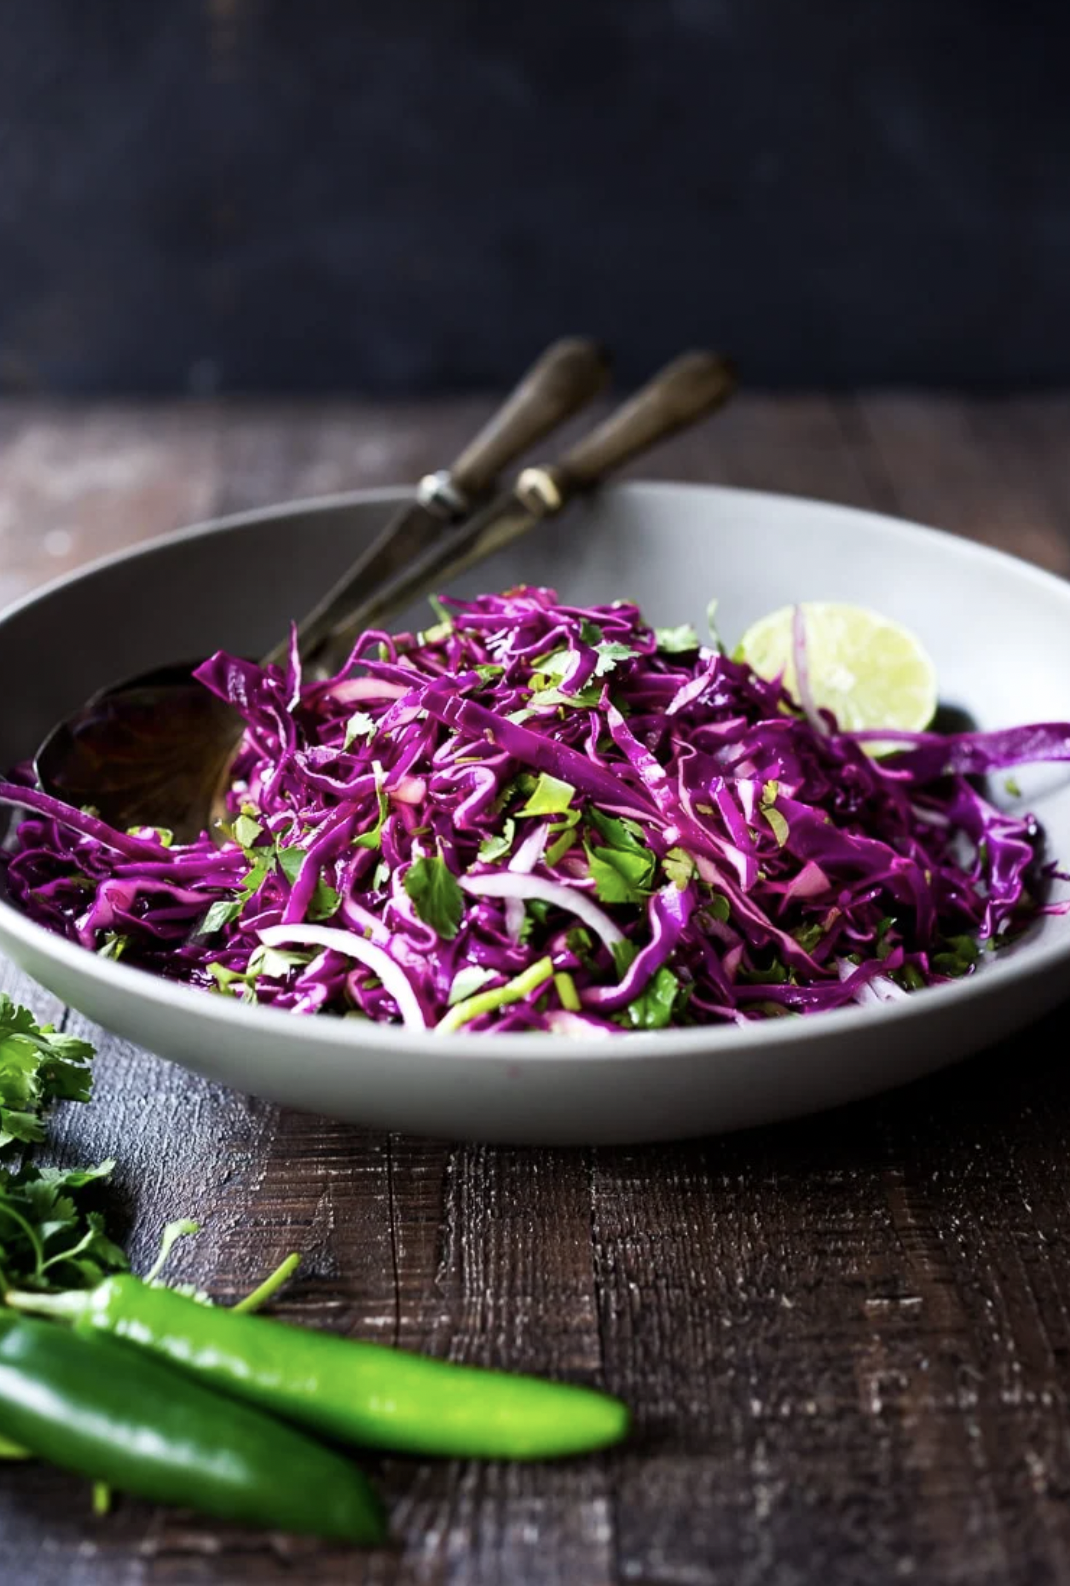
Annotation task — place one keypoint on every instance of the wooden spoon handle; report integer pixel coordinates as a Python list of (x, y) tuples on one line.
[(566, 377), (685, 391), (569, 374)]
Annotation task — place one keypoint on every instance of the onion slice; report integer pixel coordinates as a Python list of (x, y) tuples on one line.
[(374, 958)]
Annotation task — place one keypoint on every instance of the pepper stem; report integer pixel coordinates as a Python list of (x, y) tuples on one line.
[(65, 1307), (270, 1286)]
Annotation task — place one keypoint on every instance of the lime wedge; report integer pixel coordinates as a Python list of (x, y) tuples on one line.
[(867, 670)]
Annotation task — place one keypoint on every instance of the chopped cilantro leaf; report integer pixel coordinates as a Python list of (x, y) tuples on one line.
[(652, 1009), (623, 868), (498, 844), (621, 833), (809, 935), (291, 861), (580, 941), (246, 830), (436, 897), (585, 699), (256, 875), (621, 875), (324, 901), (909, 977), (777, 974), (962, 953), (609, 654), (221, 913), (676, 641), (276, 962), (557, 665), (624, 955)]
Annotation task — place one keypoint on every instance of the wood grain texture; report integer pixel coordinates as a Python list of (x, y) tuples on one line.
[(846, 1341)]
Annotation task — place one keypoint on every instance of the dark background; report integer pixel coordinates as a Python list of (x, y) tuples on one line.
[(307, 195)]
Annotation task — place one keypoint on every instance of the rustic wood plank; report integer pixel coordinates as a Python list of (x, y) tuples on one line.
[(848, 1338), (271, 452), (954, 463), (791, 444), (77, 483)]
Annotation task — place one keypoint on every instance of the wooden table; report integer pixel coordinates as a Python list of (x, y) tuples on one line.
[(846, 1341)]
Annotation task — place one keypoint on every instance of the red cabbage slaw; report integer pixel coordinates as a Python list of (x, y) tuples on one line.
[(540, 817)]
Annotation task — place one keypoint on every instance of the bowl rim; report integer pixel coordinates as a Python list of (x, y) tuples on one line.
[(1020, 964)]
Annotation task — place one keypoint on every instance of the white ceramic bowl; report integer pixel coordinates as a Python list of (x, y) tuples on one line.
[(998, 629)]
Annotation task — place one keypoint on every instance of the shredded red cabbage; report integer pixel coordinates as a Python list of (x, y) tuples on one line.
[(535, 817)]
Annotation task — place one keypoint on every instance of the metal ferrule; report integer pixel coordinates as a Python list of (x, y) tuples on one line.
[(538, 489), (438, 494)]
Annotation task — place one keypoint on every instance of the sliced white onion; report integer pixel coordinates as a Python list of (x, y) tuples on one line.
[(880, 989), (410, 790), (354, 688), (507, 884), (514, 919), (393, 977), (808, 883), (562, 1022), (530, 851)]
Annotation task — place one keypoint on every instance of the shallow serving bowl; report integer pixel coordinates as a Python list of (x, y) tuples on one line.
[(999, 631)]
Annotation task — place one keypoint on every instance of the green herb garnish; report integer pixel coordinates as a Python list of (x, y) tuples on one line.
[(436, 897)]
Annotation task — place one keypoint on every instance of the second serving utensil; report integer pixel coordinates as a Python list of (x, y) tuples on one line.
[(685, 391), (136, 768), (153, 750)]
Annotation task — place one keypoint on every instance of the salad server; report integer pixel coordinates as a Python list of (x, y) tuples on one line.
[(150, 750), (157, 751)]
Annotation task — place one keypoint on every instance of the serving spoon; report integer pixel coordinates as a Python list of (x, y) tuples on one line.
[(150, 750), (157, 750)]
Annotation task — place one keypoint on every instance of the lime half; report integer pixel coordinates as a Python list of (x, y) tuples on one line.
[(868, 671)]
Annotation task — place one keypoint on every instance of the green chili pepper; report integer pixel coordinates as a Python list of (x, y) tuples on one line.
[(94, 1406), (360, 1393)]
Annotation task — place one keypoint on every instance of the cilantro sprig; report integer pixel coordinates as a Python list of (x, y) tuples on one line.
[(50, 1235), (38, 1066)]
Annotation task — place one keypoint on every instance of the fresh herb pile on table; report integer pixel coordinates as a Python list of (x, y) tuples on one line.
[(156, 1392)]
